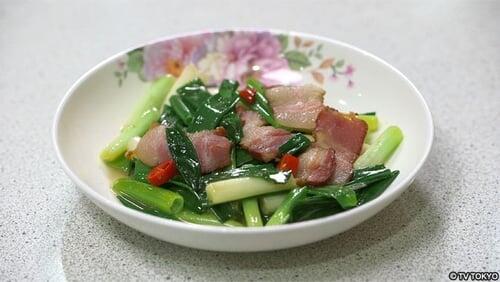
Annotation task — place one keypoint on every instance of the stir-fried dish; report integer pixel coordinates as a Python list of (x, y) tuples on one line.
[(247, 155)]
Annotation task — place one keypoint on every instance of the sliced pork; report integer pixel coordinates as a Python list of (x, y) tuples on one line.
[(316, 166), (213, 150), (250, 118), (345, 134), (152, 149), (296, 106), (262, 142)]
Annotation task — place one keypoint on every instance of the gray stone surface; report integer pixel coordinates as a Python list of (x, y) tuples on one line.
[(448, 219)]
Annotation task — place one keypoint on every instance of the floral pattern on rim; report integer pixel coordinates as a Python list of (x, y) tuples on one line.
[(304, 52), (236, 55)]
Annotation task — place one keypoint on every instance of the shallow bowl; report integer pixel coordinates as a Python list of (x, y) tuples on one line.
[(95, 107)]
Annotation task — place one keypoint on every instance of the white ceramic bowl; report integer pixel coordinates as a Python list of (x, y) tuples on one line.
[(95, 107)]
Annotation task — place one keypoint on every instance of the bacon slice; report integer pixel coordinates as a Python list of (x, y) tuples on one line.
[(250, 118), (343, 133), (213, 150), (152, 149), (262, 142), (316, 166), (296, 106)]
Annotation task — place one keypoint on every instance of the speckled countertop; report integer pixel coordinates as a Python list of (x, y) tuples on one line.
[(447, 221)]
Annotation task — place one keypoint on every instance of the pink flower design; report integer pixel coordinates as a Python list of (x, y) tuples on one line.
[(349, 71), (250, 53), (171, 56)]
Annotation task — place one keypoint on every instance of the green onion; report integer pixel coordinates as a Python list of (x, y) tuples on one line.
[(261, 104), (203, 218), (121, 163), (145, 113), (228, 89), (295, 145), (227, 211), (211, 112), (192, 201), (232, 124), (244, 187), (181, 109), (242, 156), (185, 157), (233, 223), (284, 212), (141, 171), (344, 195), (149, 198), (266, 171), (170, 118), (270, 203), (189, 73), (193, 94), (376, 189), (371, 121), (381, 149), (314, 207), (252, 212)]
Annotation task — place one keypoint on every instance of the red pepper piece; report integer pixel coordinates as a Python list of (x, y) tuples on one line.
[(248, 95), (162, 173), (289, 162)]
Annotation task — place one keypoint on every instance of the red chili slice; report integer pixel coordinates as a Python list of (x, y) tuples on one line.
[(248, 95), (289, 162), (162, 173)]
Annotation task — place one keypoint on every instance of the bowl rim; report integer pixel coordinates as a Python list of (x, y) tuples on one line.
[(137, 215)]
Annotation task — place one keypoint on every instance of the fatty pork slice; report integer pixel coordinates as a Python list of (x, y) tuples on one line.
[(152, 149), (262, 142), (296, 106), (345, 134), (212, 149), (316, 166)]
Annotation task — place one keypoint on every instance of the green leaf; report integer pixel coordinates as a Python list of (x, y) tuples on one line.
[(297, 60), (121, 163), (297, 144), (261, 104), (135, 61), (230, 210), (243, 157), (194, 94), (344, 195), (231, 122), (339, 64), (210, 113), (185, 157), (228, 89), (373, 191), (169, 117), (192, 200), (283, 39), (141, 171)]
